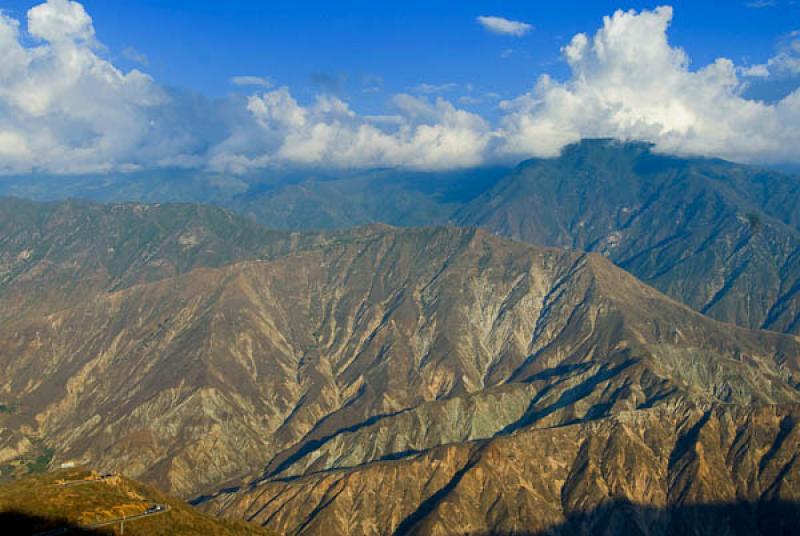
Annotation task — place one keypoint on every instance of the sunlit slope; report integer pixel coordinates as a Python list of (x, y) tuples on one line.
[(78, 499)]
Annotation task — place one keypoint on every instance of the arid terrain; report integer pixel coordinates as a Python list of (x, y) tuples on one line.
[(370, 379), (400, 268)]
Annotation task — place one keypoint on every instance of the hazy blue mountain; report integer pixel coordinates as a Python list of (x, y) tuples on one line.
[(721, 237), (282, 199)]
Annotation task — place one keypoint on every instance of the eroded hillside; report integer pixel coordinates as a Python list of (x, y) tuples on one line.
[(303, 357)]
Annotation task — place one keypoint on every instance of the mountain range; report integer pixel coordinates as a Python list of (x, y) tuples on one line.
[(376, 380), (603, 342), (720, 237)]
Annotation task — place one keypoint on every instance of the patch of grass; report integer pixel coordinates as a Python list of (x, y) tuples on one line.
[(41, 462), (35, 461)]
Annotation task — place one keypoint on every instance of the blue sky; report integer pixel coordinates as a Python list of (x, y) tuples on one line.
[(349, 45), (108, 85)]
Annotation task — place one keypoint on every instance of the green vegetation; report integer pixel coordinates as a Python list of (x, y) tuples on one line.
[(35, 461), (42, 462), (754, 220)]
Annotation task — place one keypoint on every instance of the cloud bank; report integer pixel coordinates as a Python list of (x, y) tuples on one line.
[(64, 108), (423, 135)]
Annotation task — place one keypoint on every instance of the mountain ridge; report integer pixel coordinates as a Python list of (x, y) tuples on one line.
[(718, 236), (662, 461), (308, 354)]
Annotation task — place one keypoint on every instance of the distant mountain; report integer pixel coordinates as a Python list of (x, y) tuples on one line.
[(721, 238), (394, 197), (53, 255), (282, 199), (222, 355)]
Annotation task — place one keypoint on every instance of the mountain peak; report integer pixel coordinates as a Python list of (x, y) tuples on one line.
[(608, 144)]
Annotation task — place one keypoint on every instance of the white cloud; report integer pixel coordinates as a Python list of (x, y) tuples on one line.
[(785, 63), (469, 100), (258, 81), (64, 108), (60, 20), (135, 56), (500, 25), (627, 82), (434, 88), (424, 135), (756, 71)]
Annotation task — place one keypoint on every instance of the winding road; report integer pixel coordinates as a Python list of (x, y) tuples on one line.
[(65, 530)]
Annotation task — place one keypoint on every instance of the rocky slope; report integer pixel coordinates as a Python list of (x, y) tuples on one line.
[(223, 355), (676, 470), (54, 255), (721, 238)]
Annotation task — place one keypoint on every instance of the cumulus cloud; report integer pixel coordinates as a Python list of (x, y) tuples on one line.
[(500, 25), (423, 135), (60, 20), (64, 108), (786, 63), (628, 82)]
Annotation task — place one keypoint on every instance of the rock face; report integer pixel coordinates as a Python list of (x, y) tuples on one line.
[(362, 377), (676, 470)]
